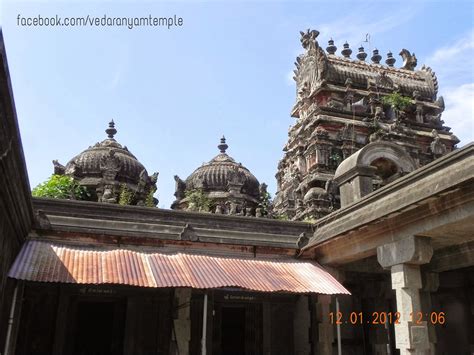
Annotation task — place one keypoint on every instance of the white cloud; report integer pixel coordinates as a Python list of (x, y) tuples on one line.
[(447, 53), (354, 27), (454, 63), (459, 113), (455, 72)]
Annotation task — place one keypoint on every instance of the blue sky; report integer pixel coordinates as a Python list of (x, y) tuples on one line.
[(227, 70)]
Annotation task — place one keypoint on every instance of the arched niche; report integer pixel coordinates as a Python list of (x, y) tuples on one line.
[(378, 162)]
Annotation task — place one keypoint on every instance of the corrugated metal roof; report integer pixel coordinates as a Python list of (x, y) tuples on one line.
[(46, 262)]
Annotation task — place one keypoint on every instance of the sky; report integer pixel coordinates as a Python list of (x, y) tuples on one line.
[(173, 92)]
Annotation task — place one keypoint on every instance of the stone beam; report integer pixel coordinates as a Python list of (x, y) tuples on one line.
[(361, 243), (447, 173), (453, 257)]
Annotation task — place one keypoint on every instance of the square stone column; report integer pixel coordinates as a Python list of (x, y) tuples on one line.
[(182, 321), (430, 281), (325, 327), (301, 326), (404, 258)]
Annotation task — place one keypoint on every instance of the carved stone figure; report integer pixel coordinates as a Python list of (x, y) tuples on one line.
[(219, 209), (308, 39), (142, 183), (379, 113), (383, 81), (333, 103), (59, 169), (302, 240), (434, 120), (437, 147), (409, 60), (108, 195), (154, 177), (110, 165), (232, 208), (188, 234), (180, 188)]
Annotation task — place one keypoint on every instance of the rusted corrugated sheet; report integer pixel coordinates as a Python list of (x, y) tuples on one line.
[(46, 262)]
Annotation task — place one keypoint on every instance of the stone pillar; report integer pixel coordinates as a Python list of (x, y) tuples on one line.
[(430, 281), (404, 258), (182, 322), (325, 327), (301, 325)]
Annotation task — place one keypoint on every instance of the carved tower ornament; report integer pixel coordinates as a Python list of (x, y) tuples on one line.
[(110, 165), (409, 59), (310, 69)]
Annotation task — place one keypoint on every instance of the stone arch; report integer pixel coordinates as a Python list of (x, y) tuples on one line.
[(388, 151), (384, 161)]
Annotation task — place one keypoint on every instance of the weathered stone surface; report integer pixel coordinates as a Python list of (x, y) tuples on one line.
[(340, 108), (126, 224), (16, 213), (411, 250), (301, 326), (226, 186), (182, 323), (107, 168), (376, 164), (406, 276)]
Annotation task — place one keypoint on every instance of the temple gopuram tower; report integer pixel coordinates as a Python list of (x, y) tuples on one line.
[(345, 103), (222, 186), (109, 170)]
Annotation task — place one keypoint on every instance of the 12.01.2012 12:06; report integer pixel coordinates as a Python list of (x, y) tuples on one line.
[(385, 317)]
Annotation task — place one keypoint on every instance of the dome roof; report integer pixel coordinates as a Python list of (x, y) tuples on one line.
[(91, 163), (221, 171)]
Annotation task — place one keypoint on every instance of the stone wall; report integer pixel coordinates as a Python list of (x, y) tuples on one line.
[(15, 205)]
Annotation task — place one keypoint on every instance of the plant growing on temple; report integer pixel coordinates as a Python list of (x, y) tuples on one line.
[(335, 159), (396, 101), (282, 217), (198, 201), (309, 220), (150, 200), (125, 196), (62, 187), (265, 199)]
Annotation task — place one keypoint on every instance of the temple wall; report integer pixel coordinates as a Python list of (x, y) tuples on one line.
[(15, 204), (455, 297)]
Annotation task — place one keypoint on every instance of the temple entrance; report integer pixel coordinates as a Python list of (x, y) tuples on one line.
[(233, 330), (237, 328), (98, 327)]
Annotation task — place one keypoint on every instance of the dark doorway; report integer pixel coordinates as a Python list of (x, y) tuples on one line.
[(233, 330), (99, 328)]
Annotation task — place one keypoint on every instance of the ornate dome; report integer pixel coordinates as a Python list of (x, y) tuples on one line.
[(227, 187), (106, 168), (221, 171), (91, 163)]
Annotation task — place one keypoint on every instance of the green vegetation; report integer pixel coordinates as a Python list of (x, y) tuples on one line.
[(150, 200), (125, 196), (198, 201), (61, 186), (335, 159), (396, 101), (309, 220), (266, 202), (282, 217)]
